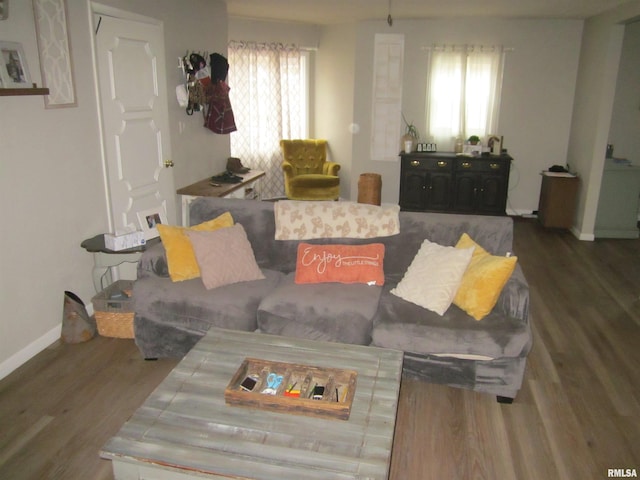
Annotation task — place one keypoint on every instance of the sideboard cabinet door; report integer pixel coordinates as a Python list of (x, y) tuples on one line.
[(413, 188), (425, 183)]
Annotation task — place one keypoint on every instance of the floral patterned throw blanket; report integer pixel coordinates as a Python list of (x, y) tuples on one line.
[(303, 220)]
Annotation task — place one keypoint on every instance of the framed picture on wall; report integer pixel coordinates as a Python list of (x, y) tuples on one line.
[(54, 49), (14, 71), (150, 219), (4, 9)]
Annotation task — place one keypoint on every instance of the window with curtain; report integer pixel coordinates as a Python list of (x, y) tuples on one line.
[(463, 93), (269, 99)]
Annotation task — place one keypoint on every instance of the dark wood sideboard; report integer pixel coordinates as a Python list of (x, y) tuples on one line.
[(447, 182)]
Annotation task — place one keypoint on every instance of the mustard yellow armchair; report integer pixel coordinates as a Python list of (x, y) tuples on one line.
[(307, 173)]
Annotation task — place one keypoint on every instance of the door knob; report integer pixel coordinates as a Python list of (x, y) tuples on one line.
[(168, 163)]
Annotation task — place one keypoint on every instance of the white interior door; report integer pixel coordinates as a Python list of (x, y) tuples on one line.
[(133, 95)]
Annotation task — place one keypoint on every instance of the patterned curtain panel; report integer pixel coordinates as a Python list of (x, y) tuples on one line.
[(267, 95)]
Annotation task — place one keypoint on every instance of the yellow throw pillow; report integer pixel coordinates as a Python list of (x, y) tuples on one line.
[(181, 259), (483, 280)]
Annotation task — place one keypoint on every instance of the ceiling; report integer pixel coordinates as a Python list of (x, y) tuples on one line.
[(326, 12)]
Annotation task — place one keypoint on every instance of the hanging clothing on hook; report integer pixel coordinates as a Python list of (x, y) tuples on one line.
[(219, 115), (219, 67)]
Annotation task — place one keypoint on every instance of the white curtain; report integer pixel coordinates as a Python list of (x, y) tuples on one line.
[(267, 87), (464, 93)]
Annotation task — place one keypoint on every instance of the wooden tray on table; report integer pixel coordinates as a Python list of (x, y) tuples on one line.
[(292, 388)]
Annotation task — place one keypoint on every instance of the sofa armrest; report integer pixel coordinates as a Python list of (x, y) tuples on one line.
[(330, 168), (153, 262), (514, 299)]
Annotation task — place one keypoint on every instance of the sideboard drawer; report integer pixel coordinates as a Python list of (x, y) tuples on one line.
[(481, 165), (443, 164)]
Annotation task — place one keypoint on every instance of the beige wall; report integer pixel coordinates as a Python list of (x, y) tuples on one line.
[(625, 121), (334, 94), (51, 183), (264, 31), (595, 92), (535, 117), (537, 96), (50, 190)]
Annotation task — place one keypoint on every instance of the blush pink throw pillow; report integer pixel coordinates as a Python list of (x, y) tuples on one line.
[(224, 256)]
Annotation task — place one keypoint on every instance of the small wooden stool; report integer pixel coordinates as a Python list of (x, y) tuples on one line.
[(369, 188)]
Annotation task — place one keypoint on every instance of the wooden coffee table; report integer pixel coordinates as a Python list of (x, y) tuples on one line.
[(186, 430)]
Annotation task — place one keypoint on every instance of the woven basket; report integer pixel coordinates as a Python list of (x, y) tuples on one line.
[(113, 309), (369, 188)]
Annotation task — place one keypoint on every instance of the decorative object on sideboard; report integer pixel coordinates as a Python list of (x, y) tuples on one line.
[(472, 149), (427, 147), (459, 145), (494, 143), (410, 138)]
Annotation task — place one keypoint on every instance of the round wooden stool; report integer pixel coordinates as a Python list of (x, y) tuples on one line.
[(369, 188)]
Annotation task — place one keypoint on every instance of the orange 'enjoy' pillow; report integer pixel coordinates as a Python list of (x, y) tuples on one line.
[(340, 263)]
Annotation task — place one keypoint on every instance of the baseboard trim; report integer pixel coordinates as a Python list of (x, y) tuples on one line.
[(587, 237), (518, 213), (30, 351)]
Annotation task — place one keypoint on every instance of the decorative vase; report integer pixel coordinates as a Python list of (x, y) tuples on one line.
[(407, 143), (408, 146)]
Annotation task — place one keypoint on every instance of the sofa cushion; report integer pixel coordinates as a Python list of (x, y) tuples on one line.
[(224, 256), (332, 312), (340, 263), (405, 326), (189, 306)]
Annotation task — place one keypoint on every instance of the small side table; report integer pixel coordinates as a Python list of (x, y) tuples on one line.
[(104, 259), (204, 188), (558, 198)]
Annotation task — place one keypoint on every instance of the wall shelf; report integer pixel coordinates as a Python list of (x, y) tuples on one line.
[(6, 92)]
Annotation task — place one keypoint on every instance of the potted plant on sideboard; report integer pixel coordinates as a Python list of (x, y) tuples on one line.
[(410, 139)]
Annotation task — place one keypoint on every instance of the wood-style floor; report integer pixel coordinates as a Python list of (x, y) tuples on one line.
[(577, 415)]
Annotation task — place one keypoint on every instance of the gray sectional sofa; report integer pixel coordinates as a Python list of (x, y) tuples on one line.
[(454, 349)]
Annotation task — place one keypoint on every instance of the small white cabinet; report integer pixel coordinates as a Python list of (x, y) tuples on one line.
[(617, 215)]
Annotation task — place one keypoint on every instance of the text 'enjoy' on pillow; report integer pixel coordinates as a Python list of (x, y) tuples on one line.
[(340, 263)]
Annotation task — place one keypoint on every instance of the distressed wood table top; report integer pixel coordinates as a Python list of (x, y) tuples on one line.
[(186, 430)]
